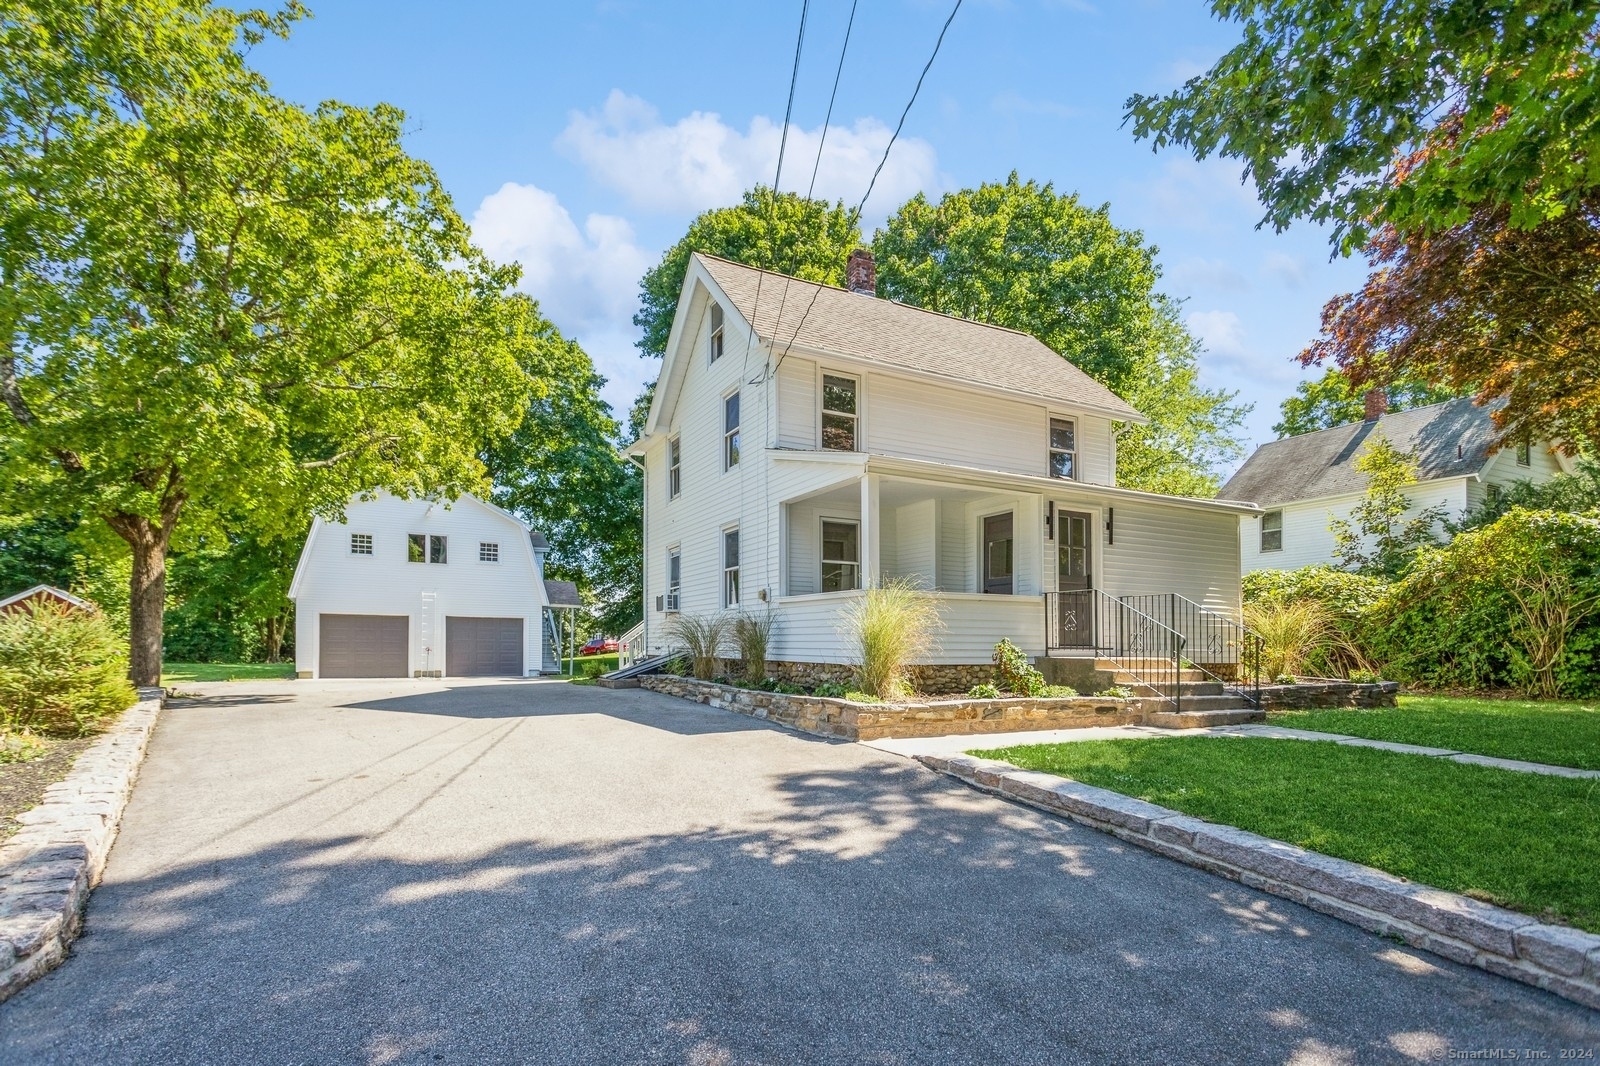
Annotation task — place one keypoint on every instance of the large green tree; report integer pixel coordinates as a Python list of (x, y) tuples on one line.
[(1019, 254), (561, 472), (1333, 400), (216, 304), (1410, 113), (785, 232)]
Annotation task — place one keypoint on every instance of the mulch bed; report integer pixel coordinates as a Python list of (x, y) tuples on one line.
[(22, 785)]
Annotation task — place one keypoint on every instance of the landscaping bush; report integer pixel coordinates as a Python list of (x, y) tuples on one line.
[(1345, 598), (830, 690), (1291, 634), (61, 671), (1015, 672), (751, 635), (702, 637), (983, 691), (1516, 603), (593, 668), (892, 627)]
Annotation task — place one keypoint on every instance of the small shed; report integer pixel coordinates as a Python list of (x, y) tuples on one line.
[(29, 599)]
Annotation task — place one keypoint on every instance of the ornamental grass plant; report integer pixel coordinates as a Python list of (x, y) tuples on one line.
[(892, 626)]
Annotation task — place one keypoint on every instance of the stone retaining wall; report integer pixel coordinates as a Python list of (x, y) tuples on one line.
[(1309, 695), (929, 718), (952, 679), (49, 866), (1556, 958)]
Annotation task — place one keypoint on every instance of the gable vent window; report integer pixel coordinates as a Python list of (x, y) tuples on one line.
[(674, 468), (361, 544), (840, 414), (716, 332), (1063, 448), (425, 548), (730, 432), (488, 552), (1272, 531)]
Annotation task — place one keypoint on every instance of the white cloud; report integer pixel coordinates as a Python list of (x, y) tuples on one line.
[(586, 278), (1287, 269), (1213, 275), (1230, 360), (700, 161), (1221, 331)]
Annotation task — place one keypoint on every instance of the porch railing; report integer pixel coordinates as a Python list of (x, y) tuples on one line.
[(1216, 645), (1145, 648), (630, 646)]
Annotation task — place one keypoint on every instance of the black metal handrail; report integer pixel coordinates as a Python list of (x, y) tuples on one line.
[(1091, 622), (1217, 646)]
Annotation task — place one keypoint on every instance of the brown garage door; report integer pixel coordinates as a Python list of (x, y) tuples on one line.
[(364, 645), (483, 647)]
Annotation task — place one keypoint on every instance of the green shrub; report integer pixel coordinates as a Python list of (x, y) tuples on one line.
[(787, 688), (1116, 692), (862, 697), (1365, 677), (61, 671), (1285, 679), (1015, 672), (983, 691), (1057, 692), (675, 667), (702, 637), (593, 668), (830, 690), (752, 633), (1291, 634), (1346, 600), (1516, 603), (891, 627)]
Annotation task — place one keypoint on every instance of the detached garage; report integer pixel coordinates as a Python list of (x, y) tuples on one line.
[(422, 588)]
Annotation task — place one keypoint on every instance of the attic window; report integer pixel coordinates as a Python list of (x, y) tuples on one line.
[(488, 551), (1524, 454), (716, 332), (1272, 531), (361, 544)]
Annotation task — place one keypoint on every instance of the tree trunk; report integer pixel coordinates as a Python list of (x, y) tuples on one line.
[(147, 602)]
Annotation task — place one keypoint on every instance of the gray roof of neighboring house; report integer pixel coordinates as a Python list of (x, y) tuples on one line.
[(898, 335), (1450, 439), (537, 540), (562, 594)]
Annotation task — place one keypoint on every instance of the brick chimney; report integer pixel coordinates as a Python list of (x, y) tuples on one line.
[(1377, 404), (861, 273)]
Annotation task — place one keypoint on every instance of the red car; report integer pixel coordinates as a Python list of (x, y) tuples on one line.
[(599, 646)]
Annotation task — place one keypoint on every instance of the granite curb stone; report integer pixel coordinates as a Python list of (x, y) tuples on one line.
[(1559, 959), (49, 866)]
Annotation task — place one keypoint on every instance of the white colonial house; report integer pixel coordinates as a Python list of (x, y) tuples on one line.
[(1303, 484), (806, 442), (424, 588)]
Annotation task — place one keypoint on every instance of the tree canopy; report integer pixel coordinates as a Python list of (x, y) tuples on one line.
[(216, 304), (1020, 255), (1410, 113), (785, 232), (1333, 400)]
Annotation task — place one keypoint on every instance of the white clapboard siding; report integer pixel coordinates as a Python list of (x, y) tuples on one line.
[(1159, 549), (330, 579), (1307, 533), (814, 629)]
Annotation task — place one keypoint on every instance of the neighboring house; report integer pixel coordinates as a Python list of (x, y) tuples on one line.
[(850, 440), (29, 599), (422, 588), (1303, 483)]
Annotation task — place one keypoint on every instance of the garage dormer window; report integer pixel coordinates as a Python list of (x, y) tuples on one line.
[(488, 551), (716, 332), (424, 548), (361, 544)]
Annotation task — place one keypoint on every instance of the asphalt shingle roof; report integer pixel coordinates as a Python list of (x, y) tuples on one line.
[(1449, 439), (898, 335), (561, 593)]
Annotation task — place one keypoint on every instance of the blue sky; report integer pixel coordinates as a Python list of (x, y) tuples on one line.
[(580, 139)]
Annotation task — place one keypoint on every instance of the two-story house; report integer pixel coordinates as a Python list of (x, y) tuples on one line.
[(807, 442), (1303, 484)]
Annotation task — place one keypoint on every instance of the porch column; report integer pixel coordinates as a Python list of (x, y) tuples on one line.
[(870, 571)]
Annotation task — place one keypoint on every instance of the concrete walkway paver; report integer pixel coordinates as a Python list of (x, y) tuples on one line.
[(440, 872), (960, 743)]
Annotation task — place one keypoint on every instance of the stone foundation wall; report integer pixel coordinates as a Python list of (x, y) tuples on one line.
[(1312, 695), (873, 721), (929, 680)]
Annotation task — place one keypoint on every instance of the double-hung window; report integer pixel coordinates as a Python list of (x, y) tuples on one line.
[(841, 555), (425, 548), (361, 544), (1272, 531), (730, 431), (674, 576), (1063, 448), (730, 568), (716, 332), (674, 468), (841, 417), (1524, 453)]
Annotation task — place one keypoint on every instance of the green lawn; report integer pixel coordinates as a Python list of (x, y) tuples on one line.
[(607, 663), (1524, 841), (178, 673), (1548, 731)]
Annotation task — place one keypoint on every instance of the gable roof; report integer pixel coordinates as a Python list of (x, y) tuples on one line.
[(835, 321), (47, 592), (1449, 439)]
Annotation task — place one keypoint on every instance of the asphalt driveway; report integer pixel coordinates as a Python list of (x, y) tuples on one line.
[(418, 872)]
